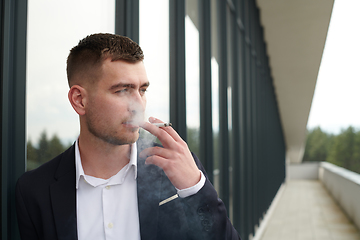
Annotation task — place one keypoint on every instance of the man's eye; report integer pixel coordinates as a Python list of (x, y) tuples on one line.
[(143, 90), (122, 90)]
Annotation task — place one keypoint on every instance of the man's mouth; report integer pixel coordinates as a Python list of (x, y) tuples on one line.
[(131, 124)]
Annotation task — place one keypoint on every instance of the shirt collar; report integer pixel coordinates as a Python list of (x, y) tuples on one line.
[(80, 170)]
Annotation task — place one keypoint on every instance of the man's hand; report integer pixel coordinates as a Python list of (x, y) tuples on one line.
[(174, 158)]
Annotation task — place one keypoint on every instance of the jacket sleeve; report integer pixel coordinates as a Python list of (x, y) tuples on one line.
[(206, 213)]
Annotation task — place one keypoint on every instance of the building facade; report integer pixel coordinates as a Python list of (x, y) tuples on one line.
[(228, 112)]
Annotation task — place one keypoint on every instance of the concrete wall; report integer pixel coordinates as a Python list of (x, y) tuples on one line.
[(307, 170), (344, 186)]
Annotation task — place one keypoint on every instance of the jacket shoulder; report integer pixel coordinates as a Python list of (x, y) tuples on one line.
[(47, 172)]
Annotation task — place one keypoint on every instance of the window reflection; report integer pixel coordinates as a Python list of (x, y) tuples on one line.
[(192, 51), (154, 40), (215, 119), (54, 27), (215, 93)]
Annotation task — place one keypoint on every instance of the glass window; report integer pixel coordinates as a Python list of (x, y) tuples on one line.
[(230, 21), (215, 120), (215, 94), (54, 27), (154, 40), (192, 52)]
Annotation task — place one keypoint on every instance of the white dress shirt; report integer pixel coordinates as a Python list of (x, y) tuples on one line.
[(107, 208)]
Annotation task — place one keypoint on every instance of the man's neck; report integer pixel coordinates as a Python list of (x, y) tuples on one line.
[(101, 159)]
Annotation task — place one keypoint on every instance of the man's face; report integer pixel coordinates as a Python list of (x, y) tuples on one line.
[(117, 102)]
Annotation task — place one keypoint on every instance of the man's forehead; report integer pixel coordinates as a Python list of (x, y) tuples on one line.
[(119, 73)]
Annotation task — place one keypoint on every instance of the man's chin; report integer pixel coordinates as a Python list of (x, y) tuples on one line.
[(122, 141), (130, 139)]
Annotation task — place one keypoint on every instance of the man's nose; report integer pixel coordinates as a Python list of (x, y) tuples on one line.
[(137, 103)]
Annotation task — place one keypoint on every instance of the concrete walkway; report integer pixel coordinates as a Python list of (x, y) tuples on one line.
[(306, 211)]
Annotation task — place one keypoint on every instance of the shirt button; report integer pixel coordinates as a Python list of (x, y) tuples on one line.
[(110, 225), (107, 187)]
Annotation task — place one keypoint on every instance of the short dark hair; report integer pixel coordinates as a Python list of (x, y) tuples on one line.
[(94, 49)]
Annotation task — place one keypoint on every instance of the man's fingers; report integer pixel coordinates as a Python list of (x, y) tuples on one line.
[(171, 131), (175, 158), (158, 161), (159, 151), (165, 138)]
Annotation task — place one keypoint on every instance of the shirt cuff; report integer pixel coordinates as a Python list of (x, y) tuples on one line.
[(183, 193)]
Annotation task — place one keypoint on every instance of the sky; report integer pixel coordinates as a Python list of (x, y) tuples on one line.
[(336, 102)]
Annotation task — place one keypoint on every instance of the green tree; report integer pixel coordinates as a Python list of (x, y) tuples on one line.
[(43, 149), (31, 151), (55, 147), (46, 150), (31, 155), (317, 145), (342, 151), (193, 140), (355, 164), (216, 150)]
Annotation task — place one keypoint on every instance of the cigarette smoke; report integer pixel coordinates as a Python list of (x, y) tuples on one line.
[(147, 138), (137, 112), (138, 117)]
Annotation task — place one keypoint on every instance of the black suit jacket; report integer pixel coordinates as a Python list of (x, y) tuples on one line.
[(46, 204)]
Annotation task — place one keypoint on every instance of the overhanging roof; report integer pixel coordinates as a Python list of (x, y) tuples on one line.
[(295, 33)]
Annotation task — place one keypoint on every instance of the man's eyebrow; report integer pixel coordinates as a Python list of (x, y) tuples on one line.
[(146, 84), (127, 85), (121, 85)]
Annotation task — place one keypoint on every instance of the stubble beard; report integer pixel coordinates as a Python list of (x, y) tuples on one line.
[(109, 135)]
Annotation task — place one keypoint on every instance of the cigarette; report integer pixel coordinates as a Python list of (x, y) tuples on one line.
[(162, 124)]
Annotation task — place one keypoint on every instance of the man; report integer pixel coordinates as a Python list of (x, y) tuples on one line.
[(109, 184)]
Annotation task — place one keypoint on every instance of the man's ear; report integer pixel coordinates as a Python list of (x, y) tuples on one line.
[(78, 98)]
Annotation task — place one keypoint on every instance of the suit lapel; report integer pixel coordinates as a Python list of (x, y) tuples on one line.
[(63, 197), (149, 191)]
